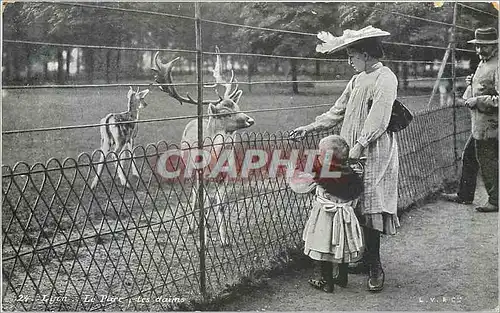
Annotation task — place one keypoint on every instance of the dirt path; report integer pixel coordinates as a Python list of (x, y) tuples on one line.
[(445, 258)]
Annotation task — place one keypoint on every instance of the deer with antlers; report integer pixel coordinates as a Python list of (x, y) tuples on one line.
[(224, 119), (121, 136)]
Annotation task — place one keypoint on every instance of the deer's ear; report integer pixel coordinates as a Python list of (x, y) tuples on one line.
[(143, 93), (130, 92), (237, 96), (212, 110)]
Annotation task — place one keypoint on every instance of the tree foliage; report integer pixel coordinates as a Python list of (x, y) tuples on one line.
[(417, 31), (294, 16)]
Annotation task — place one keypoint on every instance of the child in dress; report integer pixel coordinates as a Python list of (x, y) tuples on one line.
[(332, 234)]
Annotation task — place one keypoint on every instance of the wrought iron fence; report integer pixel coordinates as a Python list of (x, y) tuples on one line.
[(69, 247)]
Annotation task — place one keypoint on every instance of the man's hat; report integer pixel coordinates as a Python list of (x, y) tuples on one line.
[(331, 43), (485, 36)]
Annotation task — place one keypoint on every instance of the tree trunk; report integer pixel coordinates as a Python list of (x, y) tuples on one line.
[(277, 67), (16, 65), (108, 66), (152, 61), (29, 67), (60, 66), (138, 66), (117, 67), (89, 65), (250, 73), (6, 62), (68, 63), (179, 68), (46, 71), (415, 73), (397, 73), (405, 76), (77, 61), (295, 85)]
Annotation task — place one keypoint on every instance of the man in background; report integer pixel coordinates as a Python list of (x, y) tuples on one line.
[(481, 151)]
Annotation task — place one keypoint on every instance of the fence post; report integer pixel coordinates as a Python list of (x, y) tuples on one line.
[(454, 87), (199, 203)]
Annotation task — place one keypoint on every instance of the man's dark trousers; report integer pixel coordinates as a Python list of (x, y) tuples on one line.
[(479, 154), (487, 156)]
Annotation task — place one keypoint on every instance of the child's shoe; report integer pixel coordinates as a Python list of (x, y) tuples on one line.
[(322, 284)]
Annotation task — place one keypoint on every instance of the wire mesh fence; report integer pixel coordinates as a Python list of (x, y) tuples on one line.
[(69, 247)]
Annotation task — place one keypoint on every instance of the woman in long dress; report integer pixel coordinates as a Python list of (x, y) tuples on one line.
[(364, 110)]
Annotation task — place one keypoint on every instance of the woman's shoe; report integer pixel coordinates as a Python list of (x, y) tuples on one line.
[(322, 284), (453, 197), (488, 207), (376, 277), (341, 278)]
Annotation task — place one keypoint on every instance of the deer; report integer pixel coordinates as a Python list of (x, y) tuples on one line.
[(445, 92), (224, 119), (120, 137)]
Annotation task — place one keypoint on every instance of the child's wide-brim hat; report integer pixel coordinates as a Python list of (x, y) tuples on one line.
[(331, 43), (485, 36)]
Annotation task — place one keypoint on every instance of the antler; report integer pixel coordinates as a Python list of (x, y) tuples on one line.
[(220, 80), (167, 83), (164, 77)]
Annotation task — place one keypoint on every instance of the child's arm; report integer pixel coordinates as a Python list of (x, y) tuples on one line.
[(302, 182)]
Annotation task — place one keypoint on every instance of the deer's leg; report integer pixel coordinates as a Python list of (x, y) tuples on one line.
[(220, 207), (209, 203), (119, 164), (442, 93), (192, 215), (130, 146), (450, 99), (105, 148)]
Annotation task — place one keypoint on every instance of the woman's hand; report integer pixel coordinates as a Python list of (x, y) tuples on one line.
[(299, 132), (471, 103), (356, 152), (480, 104), (468, 79)]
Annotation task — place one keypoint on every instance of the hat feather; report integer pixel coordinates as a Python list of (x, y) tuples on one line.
[(331, 43)]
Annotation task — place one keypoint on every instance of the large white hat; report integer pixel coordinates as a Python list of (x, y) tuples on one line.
[(331, 43)]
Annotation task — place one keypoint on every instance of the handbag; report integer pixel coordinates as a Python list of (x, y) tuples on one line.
[(401, 117)]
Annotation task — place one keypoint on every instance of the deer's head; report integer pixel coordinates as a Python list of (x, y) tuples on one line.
[(225, 111), (227, 114), (136, 98)]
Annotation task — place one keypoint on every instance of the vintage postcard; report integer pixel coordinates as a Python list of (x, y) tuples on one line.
[(249, 156)]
